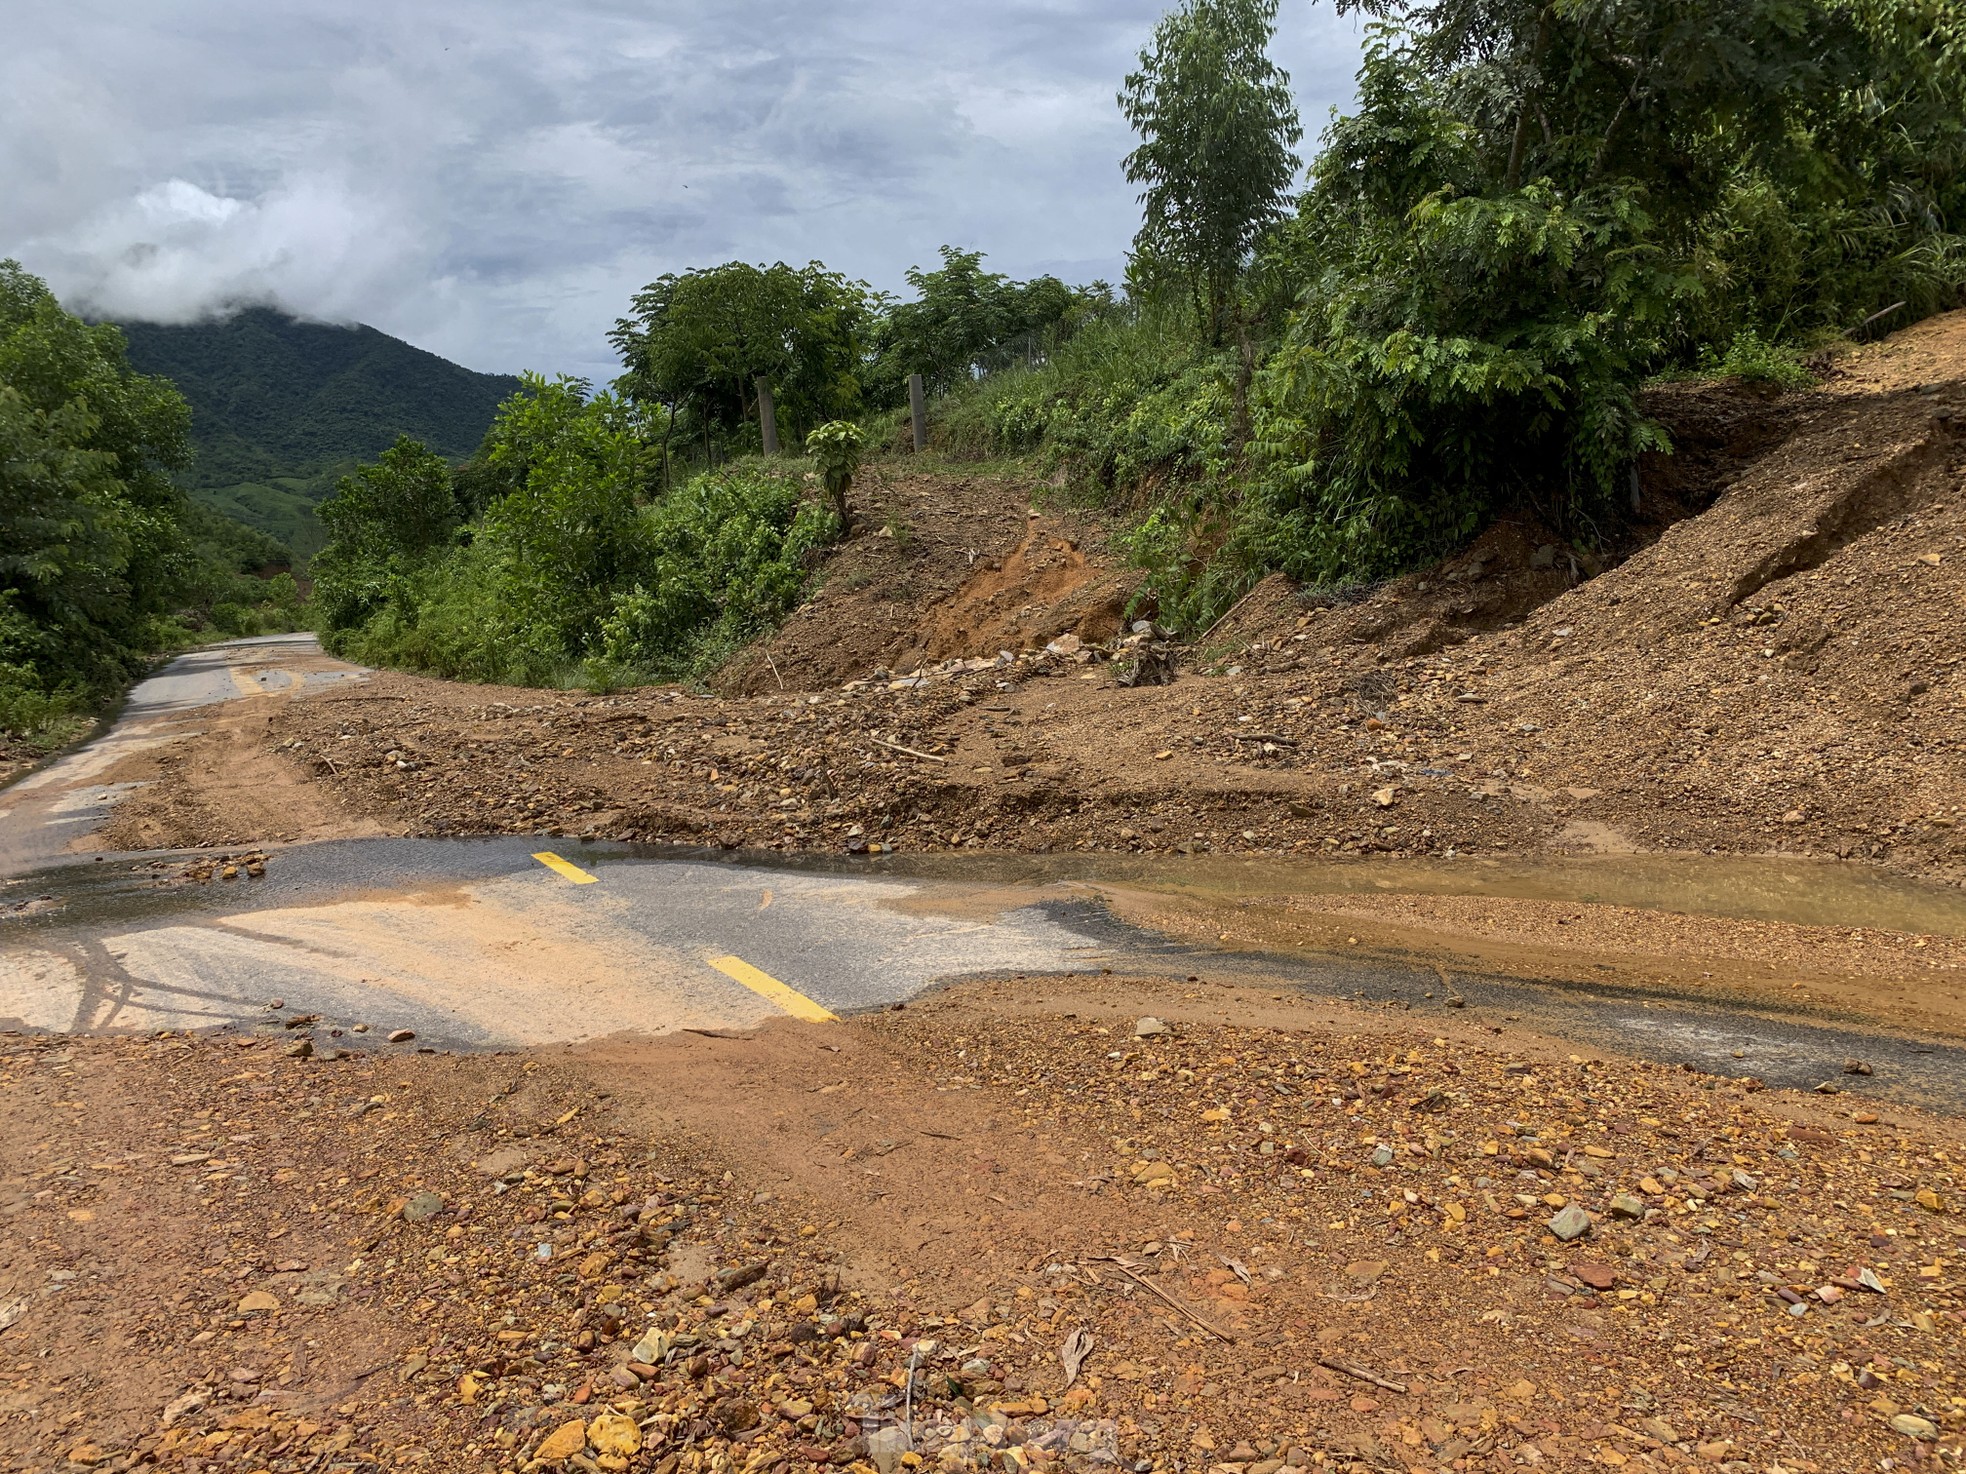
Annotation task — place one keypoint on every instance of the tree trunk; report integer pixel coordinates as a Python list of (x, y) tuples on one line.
[(1519, 146)]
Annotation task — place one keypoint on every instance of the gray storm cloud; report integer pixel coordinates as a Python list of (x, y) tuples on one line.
[(492, 179)]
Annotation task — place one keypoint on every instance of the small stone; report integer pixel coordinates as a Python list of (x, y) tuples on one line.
[(616, 1434), (401, 1036), (1856, 1067), (1597, 1276), (885, 1446), (422, 1207), (1365, 1271), (1382, 1156), (1930, 1201), (258, 1302), (1149, 1028), (300, 1049), (1913, 1426), (562, 1443), (1571, 1223)]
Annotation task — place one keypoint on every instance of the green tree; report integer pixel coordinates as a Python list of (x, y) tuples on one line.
[(91, 548), (965, 320), (696, 344), (1217, 132), (381, 520)]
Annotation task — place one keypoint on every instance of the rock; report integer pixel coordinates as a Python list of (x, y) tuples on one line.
[(616, 1434), (1597, 1276), (401, 1036), (1856, 1067), (1382, 1156), (258, 1302), (885, 1446), (422, 1208), (1365, 1271), (183, 1406), (1930, 1201), (1571, 1223), (1385, 798), (300, 1049), (562, 1443), (1913, 1426), (1149, 1028)]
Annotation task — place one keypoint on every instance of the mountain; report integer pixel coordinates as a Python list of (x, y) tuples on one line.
[(281, 408)]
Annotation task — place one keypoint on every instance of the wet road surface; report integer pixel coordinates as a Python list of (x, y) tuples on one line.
[(507, 942)]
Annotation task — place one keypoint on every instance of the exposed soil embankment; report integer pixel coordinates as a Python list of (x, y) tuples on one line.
[(1777, 669)]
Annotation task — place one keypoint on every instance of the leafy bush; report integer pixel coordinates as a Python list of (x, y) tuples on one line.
[(1754, 361), (836, 447), (1129, 405), (730, 553), (577, 569)]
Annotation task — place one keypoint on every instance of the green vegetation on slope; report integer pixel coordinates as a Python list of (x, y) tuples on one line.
[(102, 560), (281, 408), (1534, 208), (558, 556)]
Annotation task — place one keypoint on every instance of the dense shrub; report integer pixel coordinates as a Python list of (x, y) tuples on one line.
[(578, 568)]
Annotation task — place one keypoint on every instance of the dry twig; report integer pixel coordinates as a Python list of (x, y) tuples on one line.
[(927, 757)]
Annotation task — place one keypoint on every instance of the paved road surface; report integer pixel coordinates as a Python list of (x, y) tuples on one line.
[(507, 942), (45, 814)]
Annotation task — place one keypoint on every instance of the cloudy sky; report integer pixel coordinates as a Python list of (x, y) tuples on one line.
[(491, 179)]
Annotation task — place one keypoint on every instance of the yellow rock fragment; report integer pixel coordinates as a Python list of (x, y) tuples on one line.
[(615, 1433), (562, 1443)]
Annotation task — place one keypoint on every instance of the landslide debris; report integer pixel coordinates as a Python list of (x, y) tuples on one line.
[(1779, 672), (1241, 1246)]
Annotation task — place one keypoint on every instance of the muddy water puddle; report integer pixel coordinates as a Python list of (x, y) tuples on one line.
[(1798, 892)]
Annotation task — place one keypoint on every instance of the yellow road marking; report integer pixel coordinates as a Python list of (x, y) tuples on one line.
[(565, 867), (768, 987)]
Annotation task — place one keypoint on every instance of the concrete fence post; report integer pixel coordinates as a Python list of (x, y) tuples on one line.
[(768, 418), (917, 412)]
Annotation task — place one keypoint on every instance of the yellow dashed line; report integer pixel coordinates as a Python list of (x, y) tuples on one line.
[(768, 987), (565, 867)]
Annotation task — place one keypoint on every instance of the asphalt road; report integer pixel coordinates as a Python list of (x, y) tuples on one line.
[(521, 942), (46, 815)]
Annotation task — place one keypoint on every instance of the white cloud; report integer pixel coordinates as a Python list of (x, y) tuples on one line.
[(491, 179), (177, 252)]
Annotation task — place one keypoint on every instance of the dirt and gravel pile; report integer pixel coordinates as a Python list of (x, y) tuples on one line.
[(944, 565), (1019, 1226)]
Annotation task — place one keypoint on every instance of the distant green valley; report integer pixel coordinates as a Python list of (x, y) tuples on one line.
[(282, 407)]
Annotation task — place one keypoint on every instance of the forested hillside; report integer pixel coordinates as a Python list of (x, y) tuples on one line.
[(280, 407)]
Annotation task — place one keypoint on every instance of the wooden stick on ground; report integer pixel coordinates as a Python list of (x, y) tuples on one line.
[(1147, 1284), (927, 757), (1364, 1374)]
